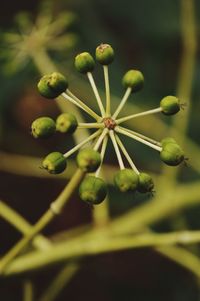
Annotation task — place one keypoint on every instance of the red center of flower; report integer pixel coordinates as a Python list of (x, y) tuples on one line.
[(109, 123)]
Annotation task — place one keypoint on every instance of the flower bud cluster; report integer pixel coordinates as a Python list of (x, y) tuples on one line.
[(93, 189)]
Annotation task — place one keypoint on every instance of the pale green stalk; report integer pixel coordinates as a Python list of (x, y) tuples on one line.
[(123, 119), (90, 125), (107, 88), (100, 139), (96, 93), (78, 146), (144, 137), (122, 103), (126, 154), (103, 150), (116, 148), (123, 131), (71, 97), (83, 107)]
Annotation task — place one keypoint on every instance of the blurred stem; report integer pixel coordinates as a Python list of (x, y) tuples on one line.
[(69, 270), (16, 220), (185, 79), (41, 243), (59, 282), (101, 214), (55, 208), (28, 294), (183, 257), (96, 245)]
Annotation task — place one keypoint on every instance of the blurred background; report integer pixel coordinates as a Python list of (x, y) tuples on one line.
[(146, 35)]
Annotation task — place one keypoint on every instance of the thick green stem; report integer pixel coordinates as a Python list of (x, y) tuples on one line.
[(97, 245), (55, 208)]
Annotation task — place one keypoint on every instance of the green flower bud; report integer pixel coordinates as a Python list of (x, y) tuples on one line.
[(54, 163), (167, 140), (66, 123), (170, 105), (145, 183), (93, 190), (126, 180), (104, 54), (88, 160), (84, 62), (52, 85), (172, 154), (133, 79), (43, 127)]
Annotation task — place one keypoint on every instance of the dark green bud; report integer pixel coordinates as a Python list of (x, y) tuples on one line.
[(52, 85), (167, 140), (88, 160), (84, 62), (172, 154), (93, 190), (145, 183), (126, 180), (43, 127), (104, 54), (170, 105), (54, 163), (133, 79), (66, 123)]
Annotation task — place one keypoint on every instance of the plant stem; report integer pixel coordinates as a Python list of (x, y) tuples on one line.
[(183, 257), (59, 283), (90, 125), (83, 105), (117, 151), (107, 88), (124, 151), (100, 139), (144, 137), (74, 149), (123, 119), (28, 293), (122, 103), (93, 246), (55, 208), (96, 93), (103, 150), (16, 220), (127, 133)]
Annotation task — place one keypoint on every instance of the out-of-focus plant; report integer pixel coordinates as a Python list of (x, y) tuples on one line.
[(47, 32)]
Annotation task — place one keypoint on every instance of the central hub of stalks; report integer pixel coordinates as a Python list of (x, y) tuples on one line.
[(109, 123)]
